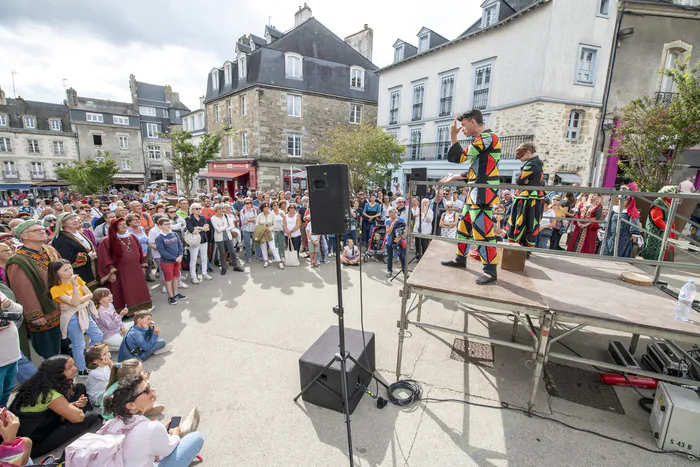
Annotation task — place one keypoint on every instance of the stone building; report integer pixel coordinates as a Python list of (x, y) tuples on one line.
[(278, 96), (652, 34), (159, 109), (35, 139), (535, 68), (111, 128)]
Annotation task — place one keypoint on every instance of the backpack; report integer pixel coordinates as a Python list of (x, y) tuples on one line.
[(101, 449)]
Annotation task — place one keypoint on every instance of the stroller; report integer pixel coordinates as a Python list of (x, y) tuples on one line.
[(376, 247)]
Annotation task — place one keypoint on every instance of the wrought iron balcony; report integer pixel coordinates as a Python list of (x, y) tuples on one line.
[(417, 112), (665, 98), (445, 106), (11, 175), (393, 116), (436, 151), (38, 175), (481, 99)]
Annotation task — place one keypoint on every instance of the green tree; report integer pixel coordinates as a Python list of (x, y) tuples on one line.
[(654, 134), (188, 159), (90, 176), (368, 151)]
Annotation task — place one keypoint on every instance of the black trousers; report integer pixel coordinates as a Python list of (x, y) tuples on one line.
[(554, 241), (421, 246), (224, 246)]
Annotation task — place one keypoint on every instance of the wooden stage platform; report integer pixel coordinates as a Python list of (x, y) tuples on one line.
[(555, 289)]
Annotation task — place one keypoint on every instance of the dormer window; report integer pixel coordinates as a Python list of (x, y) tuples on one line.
[(29, 122), (398, 53), (293, 65), (490, 15), (252, 46), (215, 80), (242, 68), (423, 42), (268, 37), (357, 77), (55, 124), (227, 73)]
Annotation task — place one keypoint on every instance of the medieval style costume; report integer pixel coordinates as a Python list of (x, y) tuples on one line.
[(656, 224), (27, 275), (76, 248), (526, 212), (585, 235), (120, 257), (625, 244), (483, 155)]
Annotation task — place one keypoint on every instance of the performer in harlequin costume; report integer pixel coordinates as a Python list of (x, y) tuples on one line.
[(477, 223), (524, 222), (656, 224)]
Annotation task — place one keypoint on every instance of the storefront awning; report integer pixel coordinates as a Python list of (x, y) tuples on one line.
[(230, 175), (568, 178), (16, 186)]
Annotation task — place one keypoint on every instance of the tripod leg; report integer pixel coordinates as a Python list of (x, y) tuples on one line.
[(346, 407), (367, 370), (316, 377)]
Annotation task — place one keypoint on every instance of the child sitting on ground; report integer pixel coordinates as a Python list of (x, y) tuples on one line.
[(109, 321), (131, 367), (100, 365), (77, 309), (350, 254), (142, 340)]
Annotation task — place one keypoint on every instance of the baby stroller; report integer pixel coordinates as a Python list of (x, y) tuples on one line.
[(376, 247)]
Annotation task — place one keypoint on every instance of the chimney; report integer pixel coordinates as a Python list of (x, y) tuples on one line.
[(168, 94), (201, 102), (72, 97), (362, 42), (3, 101), (304, 14), (133, 87)]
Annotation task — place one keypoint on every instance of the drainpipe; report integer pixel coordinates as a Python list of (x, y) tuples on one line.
[(606, 97)]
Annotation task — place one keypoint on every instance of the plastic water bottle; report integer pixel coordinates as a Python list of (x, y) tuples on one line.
[(684, 305)]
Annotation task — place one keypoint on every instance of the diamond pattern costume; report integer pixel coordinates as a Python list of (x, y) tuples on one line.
[(524, 221)]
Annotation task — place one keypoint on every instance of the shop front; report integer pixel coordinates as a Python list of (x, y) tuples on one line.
[(231, 176)]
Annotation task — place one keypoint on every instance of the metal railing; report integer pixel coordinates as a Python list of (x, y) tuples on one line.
[(445, 106), (665, 98), (436, 151), (417, 112), (481, 99), (11, 175), (393, 116), (38, 175)]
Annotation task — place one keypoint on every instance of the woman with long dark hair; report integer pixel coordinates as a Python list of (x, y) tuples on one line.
[(120, 266), (51, 409)]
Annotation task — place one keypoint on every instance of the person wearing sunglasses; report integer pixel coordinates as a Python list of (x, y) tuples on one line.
[(198, 225), (248, 218)]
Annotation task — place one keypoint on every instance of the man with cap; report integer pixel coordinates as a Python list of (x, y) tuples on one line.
[(27, 276), (73, 245)]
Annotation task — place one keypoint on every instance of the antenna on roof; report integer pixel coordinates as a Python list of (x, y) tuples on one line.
[(269, 20), (14, 72), (64, 85)]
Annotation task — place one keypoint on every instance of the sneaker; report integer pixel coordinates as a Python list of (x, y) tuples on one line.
[(190, 422), (181, 297), (207, 277), (281, 265), (196, 280), (163, 290), (167, 348), (250, 260), (172, 300), (183, 285), (238, 269), (389, 273), (266, 264), (223, 271)]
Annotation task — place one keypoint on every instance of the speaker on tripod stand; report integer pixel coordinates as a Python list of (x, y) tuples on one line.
[(420, 174)]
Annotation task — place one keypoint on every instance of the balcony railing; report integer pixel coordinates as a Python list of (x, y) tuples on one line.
[(11, 175), (393, 116), (417, 112), (445, 106), (438, 150), (665, 98), (481, 99), (38, 175)]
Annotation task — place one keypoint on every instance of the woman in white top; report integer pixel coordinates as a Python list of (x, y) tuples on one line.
[(224, 228), (267, 219), (424, 226), (278, 229), (145, 440), (386, 205), (448, 223), (292, 227)]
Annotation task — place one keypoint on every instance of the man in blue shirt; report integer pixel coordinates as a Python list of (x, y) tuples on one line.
[(395, 241), (141, 341)]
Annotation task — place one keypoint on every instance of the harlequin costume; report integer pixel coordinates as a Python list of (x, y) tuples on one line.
[(477, 223), (526, 212), (656, 224)]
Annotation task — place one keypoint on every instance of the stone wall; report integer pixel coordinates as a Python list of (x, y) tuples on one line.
[(548, 122)]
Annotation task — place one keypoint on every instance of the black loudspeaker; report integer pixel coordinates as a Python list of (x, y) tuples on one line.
[(327, 391), (329, 198), (421, 175)]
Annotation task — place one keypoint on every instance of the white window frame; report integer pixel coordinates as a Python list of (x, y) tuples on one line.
[(30, 122), (574, 125), (152, 130), (11, 165), (229, 110), (242, 68), (154, 153), (127, 165), (177, 114), (443, 141), (5, 144), (356, 114), (415, 144), (36, 165), (357, 78), (3, 120), (33, 146), (603, 8), (664, 83), (490, 15), (123, 141), (55, 124), (147, 111), (296, 141), (443, 88), (99, 157), (291, 71), (227, 73), (425, 37), (398, 53), (215, 79), (93, 117), (244, 105), (581, 69), (120, 120), (166, 114), (418, 100), (486, 68), (293, 104), (394, 98), (244, 144), (230, 145), (217, 116), (60, 165), (59, 148)]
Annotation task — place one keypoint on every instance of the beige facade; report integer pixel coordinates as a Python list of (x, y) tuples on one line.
[(34, 156)]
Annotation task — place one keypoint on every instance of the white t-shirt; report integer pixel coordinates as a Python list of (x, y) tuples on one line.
[(351, 253), (97, 384), (548, 214), (152, 235), (310, 235), (145, 441)]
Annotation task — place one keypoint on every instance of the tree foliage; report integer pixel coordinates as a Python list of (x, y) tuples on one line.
[(188, 159), (368, 151), (654, 134), (89, 176)]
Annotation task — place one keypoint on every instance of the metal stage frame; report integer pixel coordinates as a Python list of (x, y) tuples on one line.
[(543, 304)]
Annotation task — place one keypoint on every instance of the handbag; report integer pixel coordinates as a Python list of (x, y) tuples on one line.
[(260, 236), (292, 258), (192, 239)]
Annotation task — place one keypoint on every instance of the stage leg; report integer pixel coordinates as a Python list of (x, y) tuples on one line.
[(546, 324), (633, 343), (514, 334), (420, 307), (402, 330)]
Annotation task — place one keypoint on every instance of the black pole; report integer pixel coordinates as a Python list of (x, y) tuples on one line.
[(341, 329)]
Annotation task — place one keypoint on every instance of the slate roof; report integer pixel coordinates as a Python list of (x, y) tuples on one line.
[(153, 95), (665, 3), (274, 33), (435, 38), (43, 111), (507, 9), (258, 41), (91, 104)]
